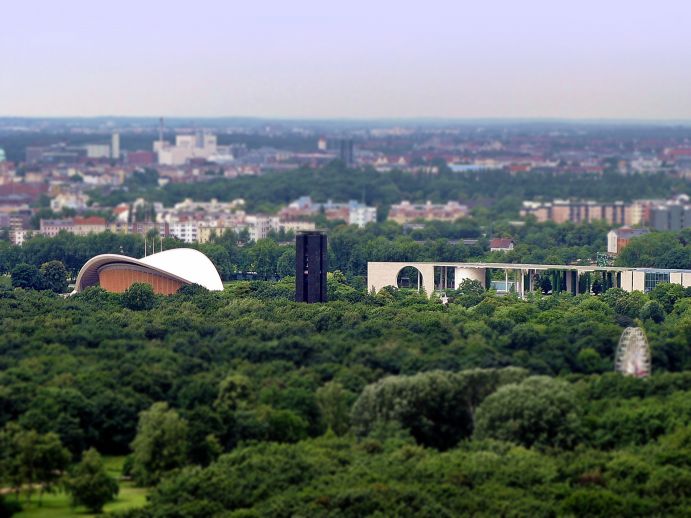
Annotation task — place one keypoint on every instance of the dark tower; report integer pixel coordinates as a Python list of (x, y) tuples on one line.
[(345, 152), (310, 266)]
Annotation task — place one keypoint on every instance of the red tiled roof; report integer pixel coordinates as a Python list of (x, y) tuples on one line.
[(500, 242), (91, 220)]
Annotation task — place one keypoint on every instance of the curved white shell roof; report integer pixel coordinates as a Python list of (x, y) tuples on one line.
[(185, 264)]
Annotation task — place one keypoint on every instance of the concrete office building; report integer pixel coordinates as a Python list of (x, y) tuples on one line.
[(521, 278)]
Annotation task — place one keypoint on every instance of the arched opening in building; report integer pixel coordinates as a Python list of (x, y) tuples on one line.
[(409, 277)]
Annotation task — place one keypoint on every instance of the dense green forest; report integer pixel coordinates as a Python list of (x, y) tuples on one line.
[(244, 402), (503, 190)]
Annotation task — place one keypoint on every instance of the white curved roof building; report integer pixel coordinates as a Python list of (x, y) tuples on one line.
[(165, 271)]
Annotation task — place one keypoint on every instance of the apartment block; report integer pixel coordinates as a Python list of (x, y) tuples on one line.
[(582, 211), (406, 212)]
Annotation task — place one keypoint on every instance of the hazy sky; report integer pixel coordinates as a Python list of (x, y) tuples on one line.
[(350, 58)]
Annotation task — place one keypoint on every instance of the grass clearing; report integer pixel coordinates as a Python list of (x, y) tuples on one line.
[(57, 505)]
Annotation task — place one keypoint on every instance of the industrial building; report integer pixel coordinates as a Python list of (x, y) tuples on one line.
[(187, 147)]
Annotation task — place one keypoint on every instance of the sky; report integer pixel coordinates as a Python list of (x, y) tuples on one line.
[(585, 59)]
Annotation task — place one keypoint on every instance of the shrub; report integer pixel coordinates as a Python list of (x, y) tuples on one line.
[(139, 297), (540, 411)]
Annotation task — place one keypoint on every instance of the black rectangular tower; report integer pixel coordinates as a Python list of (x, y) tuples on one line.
[(346, 152), (310, 266)]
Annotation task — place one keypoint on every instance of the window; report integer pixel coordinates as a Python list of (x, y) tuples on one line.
[(653, 279)]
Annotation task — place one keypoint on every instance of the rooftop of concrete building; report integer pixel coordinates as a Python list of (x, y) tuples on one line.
[(524, 266), (628, 232)]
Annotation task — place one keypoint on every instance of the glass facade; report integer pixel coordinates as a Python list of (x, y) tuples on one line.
[(653, 279)]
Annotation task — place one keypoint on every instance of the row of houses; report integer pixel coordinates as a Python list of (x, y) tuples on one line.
[(584, 211), (406, 212), (353, 212), (672, 214), (190, 231)]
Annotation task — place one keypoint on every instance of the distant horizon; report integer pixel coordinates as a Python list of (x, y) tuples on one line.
[(391, 119)]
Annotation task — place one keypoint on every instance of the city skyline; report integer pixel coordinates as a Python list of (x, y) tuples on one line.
[(621, 61)]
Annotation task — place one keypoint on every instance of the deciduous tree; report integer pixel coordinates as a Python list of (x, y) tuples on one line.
[(26, 276), (54, 276), (139, 297), (539, 411), (160, 444), (89, 483)]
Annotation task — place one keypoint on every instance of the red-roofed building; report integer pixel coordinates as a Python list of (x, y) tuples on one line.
[(15, 196), (501, 244), (682, 152), (123, 208), (78, 225), (141, 158), (618, 238), (520, 168), (31, 190), (90, 225)]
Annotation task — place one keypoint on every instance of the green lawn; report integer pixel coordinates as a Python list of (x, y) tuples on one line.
[(58, 505)]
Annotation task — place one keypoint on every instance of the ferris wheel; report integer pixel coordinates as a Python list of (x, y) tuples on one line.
[(633, 353)]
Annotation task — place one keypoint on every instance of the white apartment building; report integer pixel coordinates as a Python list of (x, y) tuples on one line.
[(77, 201), (361, 215), (209, 206), (260, 226), (187, 231), (18, 236), (97, 150), (647, 164)]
